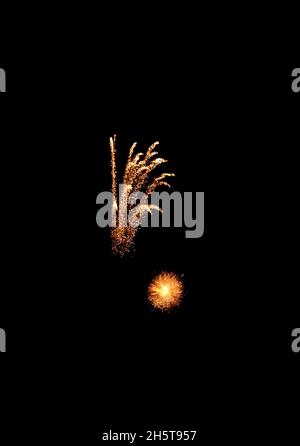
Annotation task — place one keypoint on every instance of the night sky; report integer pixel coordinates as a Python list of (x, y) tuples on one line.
[(230, 130)]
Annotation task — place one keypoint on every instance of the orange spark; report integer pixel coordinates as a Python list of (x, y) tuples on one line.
[(165, 291), (138, 177)]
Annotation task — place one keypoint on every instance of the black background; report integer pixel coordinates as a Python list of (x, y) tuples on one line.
[(231, 133), (228, 125)]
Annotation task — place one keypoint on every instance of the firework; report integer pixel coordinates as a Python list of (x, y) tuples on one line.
[(165, 291), (137, 178)]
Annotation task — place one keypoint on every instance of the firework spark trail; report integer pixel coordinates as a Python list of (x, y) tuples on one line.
[(112, 143), (137, 179), (165, 291)]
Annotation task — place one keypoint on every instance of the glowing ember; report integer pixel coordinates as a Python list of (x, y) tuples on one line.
[(137, 178), (165, 291)]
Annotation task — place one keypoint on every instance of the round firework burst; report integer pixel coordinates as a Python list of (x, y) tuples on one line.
[(165, 291)]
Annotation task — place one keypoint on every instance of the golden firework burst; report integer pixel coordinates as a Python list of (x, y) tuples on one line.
[(165, 291), (137, 178)]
